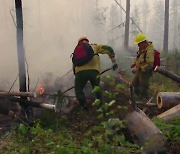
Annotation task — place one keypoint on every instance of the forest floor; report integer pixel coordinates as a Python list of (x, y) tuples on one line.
[(88, 132)]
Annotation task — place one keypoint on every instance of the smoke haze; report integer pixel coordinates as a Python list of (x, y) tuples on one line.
[(52, 28)]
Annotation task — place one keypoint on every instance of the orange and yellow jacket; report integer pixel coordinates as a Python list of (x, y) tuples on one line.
[(94, 63), (145, 58)]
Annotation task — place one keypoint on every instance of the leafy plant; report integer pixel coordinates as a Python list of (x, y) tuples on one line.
[(171, 128)]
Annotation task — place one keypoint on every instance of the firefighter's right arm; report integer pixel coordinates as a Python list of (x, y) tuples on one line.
[(105, 49)]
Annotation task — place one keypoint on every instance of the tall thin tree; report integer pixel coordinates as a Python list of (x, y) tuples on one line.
[(21, 53), (175, 18), (126, 36), (166, 27)]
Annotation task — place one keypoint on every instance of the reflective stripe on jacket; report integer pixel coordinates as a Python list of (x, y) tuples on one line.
[(145, 58)]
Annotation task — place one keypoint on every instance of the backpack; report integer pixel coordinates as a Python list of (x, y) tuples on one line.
[(82, 54), (157, 61)]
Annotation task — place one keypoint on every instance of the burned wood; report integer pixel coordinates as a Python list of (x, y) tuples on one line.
[(168, 74), (21, 94), (168, 99), (143, 131), (170, 114)]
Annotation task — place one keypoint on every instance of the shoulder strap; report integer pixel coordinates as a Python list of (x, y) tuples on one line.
[(145, 56), (93, 50)]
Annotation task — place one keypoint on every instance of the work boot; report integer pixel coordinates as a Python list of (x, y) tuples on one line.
[(85, 107), (27, 115)]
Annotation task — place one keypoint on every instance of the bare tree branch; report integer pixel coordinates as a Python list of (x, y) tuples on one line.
[(130, 17)]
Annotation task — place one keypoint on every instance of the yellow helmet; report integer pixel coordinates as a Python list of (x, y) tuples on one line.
[(140, 38)]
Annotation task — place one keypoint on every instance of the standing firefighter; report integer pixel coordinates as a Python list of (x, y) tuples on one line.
[(142, 66), (86, 62)]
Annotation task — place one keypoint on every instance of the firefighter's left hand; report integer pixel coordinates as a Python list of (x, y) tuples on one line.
[(135, 70)]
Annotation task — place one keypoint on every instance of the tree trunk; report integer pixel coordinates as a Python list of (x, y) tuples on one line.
[(168, 99), (166, 27), (20, 46), (126, 35), (168, 74), (170, 114), (144, 132), (21, 52), (22, 94)]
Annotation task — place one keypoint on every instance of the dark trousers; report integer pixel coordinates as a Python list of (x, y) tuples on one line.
[(141, 83), (81, 78)]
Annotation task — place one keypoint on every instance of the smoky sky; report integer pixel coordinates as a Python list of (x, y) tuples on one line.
[(51, 31), (52, 28)]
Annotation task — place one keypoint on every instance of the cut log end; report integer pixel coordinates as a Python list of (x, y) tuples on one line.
[(155, 69), (159, 101), (168, 99)]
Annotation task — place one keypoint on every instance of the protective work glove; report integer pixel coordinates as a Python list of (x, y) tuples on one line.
[(133, 65), (114, 66), (135, 70)]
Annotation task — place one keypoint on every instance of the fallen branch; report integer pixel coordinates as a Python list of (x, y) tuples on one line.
[(145, 104), (168, 74), (149, 101), (21, 94)]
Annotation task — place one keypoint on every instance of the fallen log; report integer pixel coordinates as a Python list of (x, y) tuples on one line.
[(168, 74), (170, 114), (144, 132), (58, 108), (168, 99), (22, 94), (11, 105)]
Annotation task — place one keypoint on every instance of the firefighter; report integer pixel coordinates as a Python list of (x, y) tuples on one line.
[(143, 66), (91, 70)]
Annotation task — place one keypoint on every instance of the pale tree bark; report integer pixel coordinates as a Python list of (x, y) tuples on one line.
[(126, 36), (166, 27), (170, 114)]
